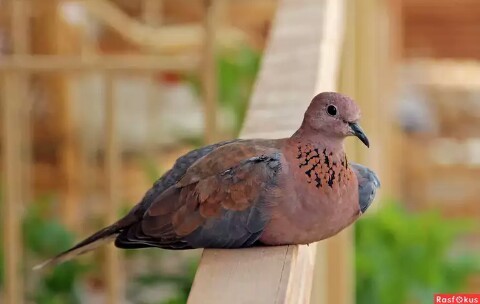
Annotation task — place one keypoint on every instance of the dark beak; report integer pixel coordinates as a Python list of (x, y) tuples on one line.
[(358, 132)]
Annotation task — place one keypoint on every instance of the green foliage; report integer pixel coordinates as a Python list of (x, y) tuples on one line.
[(43, 238), (184, 282), (181, 281), (404, 258), (236, 70)]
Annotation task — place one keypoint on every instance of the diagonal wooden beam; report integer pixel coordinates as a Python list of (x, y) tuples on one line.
[(164, 39), (302, 58)]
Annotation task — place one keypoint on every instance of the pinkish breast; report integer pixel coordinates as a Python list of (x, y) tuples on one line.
[(319, 197)]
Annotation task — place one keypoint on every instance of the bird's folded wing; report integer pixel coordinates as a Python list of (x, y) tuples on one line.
[(368, 183), (217, 203)]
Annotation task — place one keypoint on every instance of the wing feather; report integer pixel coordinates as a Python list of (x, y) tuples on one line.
[(368, 183), (216, 203)]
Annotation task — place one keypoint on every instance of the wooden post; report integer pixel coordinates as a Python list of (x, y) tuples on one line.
[(209, 72), (152, 12), (88, 172), (52, 35), (13, 138), (70, 167), (392, 138), (338, 255), (367, 80), (377, 56), (365, 54), (112, 162), (152, 15), (21, 11), (13, 198)]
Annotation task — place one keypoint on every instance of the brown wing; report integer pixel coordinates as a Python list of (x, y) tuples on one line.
[(219, 202), (224, 158)]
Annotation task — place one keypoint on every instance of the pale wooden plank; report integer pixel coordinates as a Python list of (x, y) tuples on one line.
[(293, 58), (12, 187), (391, 140), (301, 59), (231, 276)]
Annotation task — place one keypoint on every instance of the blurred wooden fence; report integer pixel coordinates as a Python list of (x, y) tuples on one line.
[(15, 69), (442, 170)]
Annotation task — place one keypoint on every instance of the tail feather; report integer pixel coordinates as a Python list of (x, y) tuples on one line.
[(106, 235)]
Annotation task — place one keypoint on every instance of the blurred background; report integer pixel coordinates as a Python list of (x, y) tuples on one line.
[(98, 99)]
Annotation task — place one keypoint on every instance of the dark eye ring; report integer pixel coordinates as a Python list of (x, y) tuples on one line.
[(332, 110)]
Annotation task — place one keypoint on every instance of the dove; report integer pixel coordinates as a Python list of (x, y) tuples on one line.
[(253, 192)]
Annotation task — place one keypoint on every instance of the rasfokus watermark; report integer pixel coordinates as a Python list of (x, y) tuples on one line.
[(460, 298)]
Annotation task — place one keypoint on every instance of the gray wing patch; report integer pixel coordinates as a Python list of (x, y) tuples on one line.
[(236, 229), (368, 183), (233, 229)]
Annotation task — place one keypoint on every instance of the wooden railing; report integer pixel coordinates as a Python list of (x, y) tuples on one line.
[(302, 58)]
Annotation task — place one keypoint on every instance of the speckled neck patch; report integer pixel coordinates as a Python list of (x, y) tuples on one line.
[(321, 167)]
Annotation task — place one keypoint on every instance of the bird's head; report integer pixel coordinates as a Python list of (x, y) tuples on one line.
[(333, 115)]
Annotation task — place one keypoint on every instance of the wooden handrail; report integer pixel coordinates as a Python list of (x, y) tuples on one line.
[(301, 59)]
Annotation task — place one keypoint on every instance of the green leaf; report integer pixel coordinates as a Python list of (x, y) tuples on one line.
[(404, 257)]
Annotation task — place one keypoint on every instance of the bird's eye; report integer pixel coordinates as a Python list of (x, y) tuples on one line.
[(332, 110)]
